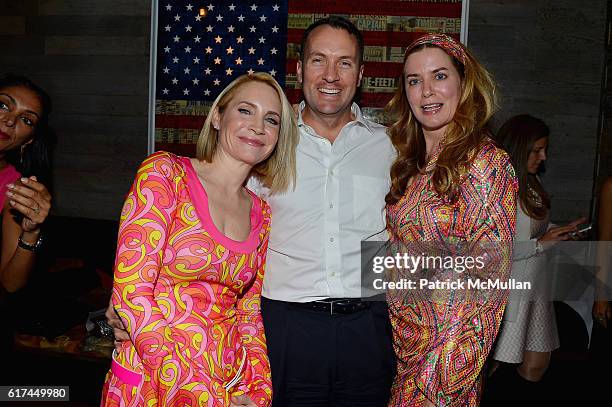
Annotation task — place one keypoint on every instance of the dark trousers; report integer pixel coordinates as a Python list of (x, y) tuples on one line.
[(319, 359)]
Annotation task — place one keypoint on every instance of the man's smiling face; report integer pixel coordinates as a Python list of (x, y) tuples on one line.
[(330, 71)]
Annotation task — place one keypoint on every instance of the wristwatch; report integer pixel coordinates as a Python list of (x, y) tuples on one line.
[(32, 247)]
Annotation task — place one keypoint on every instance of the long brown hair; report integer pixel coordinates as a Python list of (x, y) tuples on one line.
[(464, 135), (517, 136)]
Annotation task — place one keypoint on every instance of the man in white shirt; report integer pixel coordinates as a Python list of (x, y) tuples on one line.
[(327, 346)]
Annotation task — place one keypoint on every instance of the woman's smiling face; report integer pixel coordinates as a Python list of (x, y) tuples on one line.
[(20, 112), (433, 89), (249, 124)]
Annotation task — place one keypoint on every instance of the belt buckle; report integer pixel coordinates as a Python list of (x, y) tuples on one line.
[(339, 301), (331, 304)]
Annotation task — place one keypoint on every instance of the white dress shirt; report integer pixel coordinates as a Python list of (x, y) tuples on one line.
[(338, 201)]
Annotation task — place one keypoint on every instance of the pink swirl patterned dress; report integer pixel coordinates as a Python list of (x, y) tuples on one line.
[(442, 345), (188, 296)]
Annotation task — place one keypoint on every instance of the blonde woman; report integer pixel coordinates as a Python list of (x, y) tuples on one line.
[(191, 254)]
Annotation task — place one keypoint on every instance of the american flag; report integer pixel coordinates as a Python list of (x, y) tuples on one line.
[(203, 46)]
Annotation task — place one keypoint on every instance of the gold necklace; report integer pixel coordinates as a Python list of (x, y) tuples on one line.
[(534, 197)]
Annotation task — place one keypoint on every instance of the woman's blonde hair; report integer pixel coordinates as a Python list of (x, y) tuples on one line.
[(277, 172), (465, 134)]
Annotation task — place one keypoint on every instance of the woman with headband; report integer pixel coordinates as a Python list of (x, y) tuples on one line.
[(454, 191)]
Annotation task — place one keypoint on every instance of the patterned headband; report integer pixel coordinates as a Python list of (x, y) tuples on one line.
[(443, 41)]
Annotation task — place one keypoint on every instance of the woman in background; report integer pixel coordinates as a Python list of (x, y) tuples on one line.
[(529, 330), (453, 187), (25, 201), (24, 112), (190, 259)]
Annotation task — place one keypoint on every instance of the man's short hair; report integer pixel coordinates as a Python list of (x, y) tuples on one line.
[(339, 23)]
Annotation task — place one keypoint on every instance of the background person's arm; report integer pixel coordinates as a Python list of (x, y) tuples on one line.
[(31, 199), (602, 312)]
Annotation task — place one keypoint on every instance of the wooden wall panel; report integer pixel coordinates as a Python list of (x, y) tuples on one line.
[(96, 45), (547, 58), (93, 59), (12, 25), (95, 7), (93, 25), (19, 7), (16, 46)]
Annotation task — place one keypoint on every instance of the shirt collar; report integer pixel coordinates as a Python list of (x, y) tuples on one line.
[(355, 110)]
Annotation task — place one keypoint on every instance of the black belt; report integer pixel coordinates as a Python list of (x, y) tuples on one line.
[(335, 305)]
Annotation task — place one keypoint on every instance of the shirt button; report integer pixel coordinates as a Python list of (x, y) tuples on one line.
[(331, 205), (331, 239), (333, 274)]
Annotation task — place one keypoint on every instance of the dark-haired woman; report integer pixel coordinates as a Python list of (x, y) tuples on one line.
[(529, 331), (24, 110), (25, 201), (451, 188)]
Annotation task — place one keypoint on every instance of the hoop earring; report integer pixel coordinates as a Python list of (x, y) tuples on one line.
[(23, 147)]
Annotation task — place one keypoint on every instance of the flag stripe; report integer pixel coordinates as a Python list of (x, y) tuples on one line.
[(390, 8), (179, 121), (384, 38)]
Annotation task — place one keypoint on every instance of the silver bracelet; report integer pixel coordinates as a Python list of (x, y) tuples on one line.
[(539, 248), (32, 247)]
